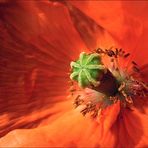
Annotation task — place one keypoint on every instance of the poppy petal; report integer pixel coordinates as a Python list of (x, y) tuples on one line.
[(36, 50), (126, 21), (88, 133)]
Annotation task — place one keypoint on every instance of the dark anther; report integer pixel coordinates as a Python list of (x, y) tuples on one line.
[(134, 63), (84, 111), (120, 49), (78, 101), (136, 69), (99, 50), (122, 54), (110, 52), (126, 55), (95, 113), (112, 60), (72, 90), (117, 52), (89, 108)]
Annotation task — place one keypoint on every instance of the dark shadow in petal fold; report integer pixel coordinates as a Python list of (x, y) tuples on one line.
[(88, 29), (34, 62), (24, 125), (128, 129), (141, 103), (144, 72)]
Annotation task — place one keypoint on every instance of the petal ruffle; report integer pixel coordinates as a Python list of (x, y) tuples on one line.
[(40, 46), (121, 131), (126, 21), (70, 130), (132, 129), (91, 33), (38, 42)]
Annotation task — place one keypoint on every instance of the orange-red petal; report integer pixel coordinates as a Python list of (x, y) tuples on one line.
[(37, 45), (71, 129)]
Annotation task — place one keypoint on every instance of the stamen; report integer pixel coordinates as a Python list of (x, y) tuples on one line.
[(110, 52), (89, 108), (129, 100), (105, 87), (99, 51), (126, 55), (133, 62), (121, 86), (136, 69), (72, 89), (78, 101)]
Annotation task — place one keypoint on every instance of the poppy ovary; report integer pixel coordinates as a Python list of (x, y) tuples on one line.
[(90, 72)]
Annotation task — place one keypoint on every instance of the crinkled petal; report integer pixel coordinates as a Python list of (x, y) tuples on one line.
[(111, 130), (126, 21), (38, 41), (132, 129), (70, 130)]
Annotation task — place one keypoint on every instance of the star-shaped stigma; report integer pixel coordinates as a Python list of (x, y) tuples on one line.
[(87, 69)]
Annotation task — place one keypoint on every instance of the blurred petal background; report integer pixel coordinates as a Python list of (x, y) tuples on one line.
[(38, 39)]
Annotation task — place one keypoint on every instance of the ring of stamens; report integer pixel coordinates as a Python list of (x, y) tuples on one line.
[(128, 86)]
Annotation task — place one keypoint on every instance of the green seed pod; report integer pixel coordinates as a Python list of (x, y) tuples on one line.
[(87, 70)]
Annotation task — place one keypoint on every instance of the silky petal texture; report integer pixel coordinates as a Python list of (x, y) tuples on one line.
[(89, 131), (35, 54), (68, 127), (131, 129), (92, 33), (118, 21), (126, 21)]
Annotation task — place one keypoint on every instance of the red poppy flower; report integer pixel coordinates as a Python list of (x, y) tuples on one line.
[(39, 39)]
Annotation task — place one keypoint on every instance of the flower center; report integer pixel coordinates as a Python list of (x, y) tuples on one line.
[(87, 70), (90, 72), (100, 86)]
